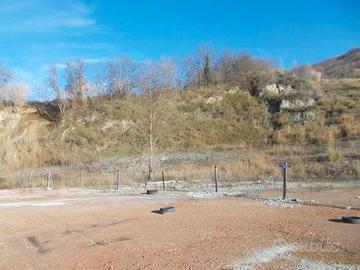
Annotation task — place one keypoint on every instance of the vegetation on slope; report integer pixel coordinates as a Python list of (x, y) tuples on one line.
[(344, 66), (237, 103)]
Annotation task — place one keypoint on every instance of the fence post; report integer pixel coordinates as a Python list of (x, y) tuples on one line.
[(18, 178), (81, 178), (215, 176), (284, 167), (29, 180), (118, 180), (63, 179), (285, 179), (163, 179), (49, 180)]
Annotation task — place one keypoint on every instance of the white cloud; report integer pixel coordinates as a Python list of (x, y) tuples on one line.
[(95, 60), (45, 16), (7, 7), (46, 23), (88, 61)]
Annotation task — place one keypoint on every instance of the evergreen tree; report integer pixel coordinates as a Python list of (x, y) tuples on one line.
[(207, 71)]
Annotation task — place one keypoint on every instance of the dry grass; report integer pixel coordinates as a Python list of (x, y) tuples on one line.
[(72, 178), (287, 150), (255, 167), (356, 164), (106, 128), (333, 154), (316, 168), (21, 136), (350, 126)]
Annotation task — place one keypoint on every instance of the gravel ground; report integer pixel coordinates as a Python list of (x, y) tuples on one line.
[(89, 229)]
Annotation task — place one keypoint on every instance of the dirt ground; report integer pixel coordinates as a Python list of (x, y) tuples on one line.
[(99, 230)]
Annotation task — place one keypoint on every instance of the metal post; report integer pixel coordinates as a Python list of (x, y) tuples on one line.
[(216, 183), (284, 188), (118, 180), (284, 167), (163, 179)]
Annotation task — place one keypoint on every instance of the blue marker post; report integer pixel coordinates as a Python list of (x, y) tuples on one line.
[(284, 167)]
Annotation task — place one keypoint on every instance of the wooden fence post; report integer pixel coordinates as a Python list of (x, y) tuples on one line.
[(18, 178), (118, 180), (163, 179), (49, 180), (29, 179), (216, 180), (63, 179), (81, 178)]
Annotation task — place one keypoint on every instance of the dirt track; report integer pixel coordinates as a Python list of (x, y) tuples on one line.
[(57, 230)]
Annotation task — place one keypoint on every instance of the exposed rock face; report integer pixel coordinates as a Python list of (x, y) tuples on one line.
[(9, 122), (20, 134), (126, 124), (233, 91), (276, 89), (302, 116), (297, 104), (213, 100), (108, 124)]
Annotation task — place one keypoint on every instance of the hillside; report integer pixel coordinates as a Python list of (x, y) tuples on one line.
[(316, 128), (237, 111), (343, 66), (22, 136)]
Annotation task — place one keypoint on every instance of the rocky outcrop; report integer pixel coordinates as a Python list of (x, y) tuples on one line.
[(213, 100), (276, 89), (297, 104), (302, 116)]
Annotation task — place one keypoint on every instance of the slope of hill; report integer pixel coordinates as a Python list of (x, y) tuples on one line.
[(23, 134), (264, 114), (318, 131), (343, 66)]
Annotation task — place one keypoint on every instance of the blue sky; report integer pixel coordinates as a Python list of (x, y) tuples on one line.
[(36, 33)]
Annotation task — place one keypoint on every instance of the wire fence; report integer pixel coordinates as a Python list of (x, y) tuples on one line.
[(184, 179)]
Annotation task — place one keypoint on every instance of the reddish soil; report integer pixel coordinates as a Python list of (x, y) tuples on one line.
[(122, 232)]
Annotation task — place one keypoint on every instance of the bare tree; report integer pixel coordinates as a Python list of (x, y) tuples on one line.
[(236, 68), (12, 92), (17, 93), (156, 79), (100, 84), (121, 76), (54, 85), (5, 78), (243, 71), (76, 85), (54, 82)]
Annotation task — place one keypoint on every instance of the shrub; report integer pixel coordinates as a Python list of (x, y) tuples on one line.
[(332, 154), (356, 164), (296, 83), (292, 135), (240, 106)]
